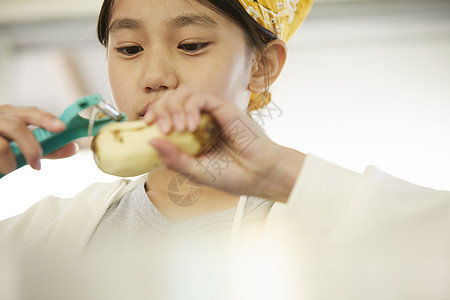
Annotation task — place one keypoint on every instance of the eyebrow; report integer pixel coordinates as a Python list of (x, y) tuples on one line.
[(192, 19), (176, 22), (125, 23)]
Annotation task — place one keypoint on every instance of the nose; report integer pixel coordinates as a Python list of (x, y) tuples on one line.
[(158, 72)]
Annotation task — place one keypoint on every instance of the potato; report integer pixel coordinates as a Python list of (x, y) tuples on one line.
[(123, 149)]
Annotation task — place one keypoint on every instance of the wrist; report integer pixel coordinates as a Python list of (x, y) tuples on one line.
[(284, 175)]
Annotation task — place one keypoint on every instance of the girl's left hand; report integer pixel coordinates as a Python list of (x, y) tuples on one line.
[(244, 162)]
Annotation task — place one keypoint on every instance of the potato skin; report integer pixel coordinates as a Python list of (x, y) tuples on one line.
[(123, 149)]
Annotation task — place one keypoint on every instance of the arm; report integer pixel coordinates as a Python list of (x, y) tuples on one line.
[(352, 236)]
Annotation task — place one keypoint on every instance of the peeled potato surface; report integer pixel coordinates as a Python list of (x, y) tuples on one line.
[(123, 149)]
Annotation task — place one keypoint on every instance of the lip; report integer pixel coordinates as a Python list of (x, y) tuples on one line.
[(144, 110)]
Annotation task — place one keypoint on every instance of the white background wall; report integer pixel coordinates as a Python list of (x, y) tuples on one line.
[(366, 83), (369, 83)]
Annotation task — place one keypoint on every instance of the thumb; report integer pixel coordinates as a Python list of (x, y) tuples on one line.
[(172, 157), (176, 160), (65, 151)]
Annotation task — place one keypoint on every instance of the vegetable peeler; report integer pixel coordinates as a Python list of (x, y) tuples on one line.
[(76, 126)]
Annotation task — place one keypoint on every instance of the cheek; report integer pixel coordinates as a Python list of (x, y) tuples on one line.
[(116, 87), (236, 79), (119, 90)]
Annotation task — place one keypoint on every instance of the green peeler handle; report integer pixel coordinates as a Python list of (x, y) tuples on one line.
[(76, 127)]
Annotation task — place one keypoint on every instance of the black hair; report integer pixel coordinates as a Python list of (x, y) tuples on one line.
[(257, 36)]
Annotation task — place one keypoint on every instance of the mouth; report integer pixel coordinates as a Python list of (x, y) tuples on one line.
[(144, 110)]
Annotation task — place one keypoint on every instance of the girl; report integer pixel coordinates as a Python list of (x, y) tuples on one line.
[(168, 61)]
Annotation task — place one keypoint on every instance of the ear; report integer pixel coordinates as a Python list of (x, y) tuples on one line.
[(267, 66)]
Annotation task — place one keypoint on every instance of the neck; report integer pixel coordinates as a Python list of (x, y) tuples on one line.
[(180, 197)]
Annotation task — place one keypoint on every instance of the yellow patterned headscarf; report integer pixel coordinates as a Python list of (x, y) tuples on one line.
[(282, 17)]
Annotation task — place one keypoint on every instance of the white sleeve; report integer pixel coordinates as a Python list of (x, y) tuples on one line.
[(356, 235)]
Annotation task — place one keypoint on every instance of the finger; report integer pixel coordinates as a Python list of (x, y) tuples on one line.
[(161, 115), (192, 112), (147, 115), (35, 116), (191, 102), (192, 118), (224, 112), (64, 152), (169, 112), (165, 124), (179, 121), (171, 156), (7, 159), (238, 130), (156, 109), (15, 130), (177, 107), (178, 161)]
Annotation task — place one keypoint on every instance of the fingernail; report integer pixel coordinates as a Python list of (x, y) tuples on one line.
[(179, 126), (77, 147), (191, 123), (148, 117), (58, 123), (36, 164), (155, 145), (163, 125)]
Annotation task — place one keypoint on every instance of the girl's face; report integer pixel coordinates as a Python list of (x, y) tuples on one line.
[(158, 45)]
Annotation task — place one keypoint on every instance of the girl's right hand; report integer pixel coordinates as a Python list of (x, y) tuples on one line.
[(14, 122), (252, 163)]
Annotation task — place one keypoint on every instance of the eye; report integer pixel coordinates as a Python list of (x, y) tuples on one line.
[(193, 47), (130, 50)]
